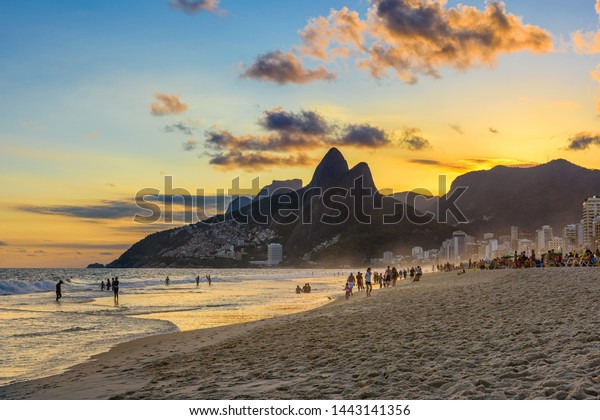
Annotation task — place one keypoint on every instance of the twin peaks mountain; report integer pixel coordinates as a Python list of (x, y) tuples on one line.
[(341, 218)]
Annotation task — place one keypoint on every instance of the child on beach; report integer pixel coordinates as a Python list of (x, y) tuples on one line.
[(348, 290)]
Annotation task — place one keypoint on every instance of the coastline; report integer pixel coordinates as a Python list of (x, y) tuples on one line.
[(498, 334)]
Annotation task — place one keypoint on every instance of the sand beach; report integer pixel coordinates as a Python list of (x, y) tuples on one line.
[(498, 334)]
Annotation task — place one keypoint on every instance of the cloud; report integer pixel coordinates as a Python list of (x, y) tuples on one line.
[(426, 162), (412, 139), (493, 130), (258, 161), (110, 184), (305, 122), (457, 128), (343, 28), (194, 6), (289, 132), (180, 127), (408, 37), (364, 135), (586, 42), (189, 145), (167, 104), (107, 253), (284, 67), (421, 36), (2, 243), (105, 210), (583, 141), (79, 245)]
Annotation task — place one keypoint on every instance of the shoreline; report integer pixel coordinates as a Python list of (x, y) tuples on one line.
[(498, 334)]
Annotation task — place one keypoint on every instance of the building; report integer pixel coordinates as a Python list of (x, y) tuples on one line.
[(591, 210), (544, 235), (570, 241), (460, 243), (388, 257), (417, 253), (556, 245), (514, 237), (274, 254)]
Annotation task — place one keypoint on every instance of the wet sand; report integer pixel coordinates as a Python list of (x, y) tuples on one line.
[(504, 334)]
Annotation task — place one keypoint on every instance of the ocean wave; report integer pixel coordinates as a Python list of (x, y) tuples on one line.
[(44, 333), (18, 287)]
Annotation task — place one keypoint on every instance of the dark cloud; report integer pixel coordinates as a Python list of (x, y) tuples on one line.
[(189, 145), (79, 245), (363, 135), (426, 162), (457, 128), (412, 139), (194, 6), (583, 141), (2, 243), (107, 253), (257, 161), (305, 122), (493, 130), (105, 210), (110, 184), (180, 127), (284, 67), (293, 132)]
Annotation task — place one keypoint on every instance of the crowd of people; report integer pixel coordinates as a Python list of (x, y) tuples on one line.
[(384, 279), (551, 258)]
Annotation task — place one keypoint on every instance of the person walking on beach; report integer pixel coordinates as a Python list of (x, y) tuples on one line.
[(348, 291), (197, 281), (350, 282), (368, 284), (59, 290), (115, 287)]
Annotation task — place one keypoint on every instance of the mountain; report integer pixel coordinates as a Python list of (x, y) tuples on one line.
[(548, 194), (338, 218), (279, 187)]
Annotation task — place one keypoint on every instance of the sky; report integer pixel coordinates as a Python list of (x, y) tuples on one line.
[(102, 99)]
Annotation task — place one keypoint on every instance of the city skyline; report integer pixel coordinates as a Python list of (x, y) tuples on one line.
[(103, 99)]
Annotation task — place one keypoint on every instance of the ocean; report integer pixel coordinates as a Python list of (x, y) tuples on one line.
[(41, 337)]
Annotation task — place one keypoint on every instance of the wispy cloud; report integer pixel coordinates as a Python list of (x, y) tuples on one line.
[(258, 161), (167, 104), (2, 243), (284, 67), (457, 128), (189, 145), (180, 127), (412, 139), (105, 210), (493, 130), (195, 6)]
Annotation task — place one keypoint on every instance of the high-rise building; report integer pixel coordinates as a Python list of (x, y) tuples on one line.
[(544, 235), (591, 209), (388, 257), (459, 237), (556, 245), (275, 254), (514, 237), (570, 238)]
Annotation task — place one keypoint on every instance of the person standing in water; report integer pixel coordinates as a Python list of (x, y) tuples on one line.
[(167, 280), (197, 281), (59, 290), (102, 285), (108, 286), (208, 279), (115, 287)]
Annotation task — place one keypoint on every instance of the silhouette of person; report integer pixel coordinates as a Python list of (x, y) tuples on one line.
[(59, 290)]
